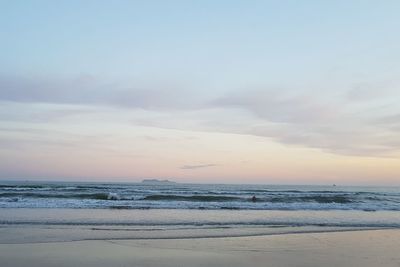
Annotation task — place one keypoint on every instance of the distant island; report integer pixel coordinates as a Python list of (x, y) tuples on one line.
[(156, 181)]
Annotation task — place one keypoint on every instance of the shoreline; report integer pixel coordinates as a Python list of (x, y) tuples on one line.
[(58, 235), (45, 225), (368, 248)]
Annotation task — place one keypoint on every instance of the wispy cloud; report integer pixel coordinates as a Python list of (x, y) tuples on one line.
[(336, 122), (88, 90), (372, 91), (200, 166), (276, 106), (325, 122)]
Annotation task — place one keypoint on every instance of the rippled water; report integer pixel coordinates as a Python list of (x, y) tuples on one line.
[(196, 196)]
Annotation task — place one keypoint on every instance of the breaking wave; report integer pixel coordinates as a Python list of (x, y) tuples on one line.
[(190, 196)]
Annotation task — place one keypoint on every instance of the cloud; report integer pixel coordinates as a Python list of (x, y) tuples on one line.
[(372, 91), (276, 106), (333, 121), (325, 122), (322, 120), (87, 90), (200, 166)]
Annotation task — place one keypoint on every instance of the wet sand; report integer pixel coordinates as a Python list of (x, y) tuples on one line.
[(369, 248)]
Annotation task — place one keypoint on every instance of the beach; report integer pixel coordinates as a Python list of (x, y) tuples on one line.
[(199, 133), (77, 224), (370, 248)]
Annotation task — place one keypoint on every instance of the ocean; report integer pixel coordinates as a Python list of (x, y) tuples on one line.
[(140, 210), (196, 196)]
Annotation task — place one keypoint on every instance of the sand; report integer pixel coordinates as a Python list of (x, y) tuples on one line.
[(370, 248)]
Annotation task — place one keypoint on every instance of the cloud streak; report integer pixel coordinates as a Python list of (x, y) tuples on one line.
[(87, 90), (195, 167)]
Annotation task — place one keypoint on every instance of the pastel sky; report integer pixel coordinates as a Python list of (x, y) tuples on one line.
[(270, 92)]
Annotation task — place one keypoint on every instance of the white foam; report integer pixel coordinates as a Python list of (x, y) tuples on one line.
[(113, 196)]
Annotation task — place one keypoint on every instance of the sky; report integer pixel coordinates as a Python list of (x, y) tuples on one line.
[(273, 92)]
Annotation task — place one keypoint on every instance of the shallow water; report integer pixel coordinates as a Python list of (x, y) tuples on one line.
[(26, 225), (197, 218)]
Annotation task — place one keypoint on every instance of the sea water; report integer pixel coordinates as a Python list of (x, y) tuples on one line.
[(137, 210), (197, 196)]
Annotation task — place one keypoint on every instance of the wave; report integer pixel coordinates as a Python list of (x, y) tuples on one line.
[(214, 224), (201, 198), (185, 196), (341, 199), (320, 198), (98, 196), (22, 186)]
